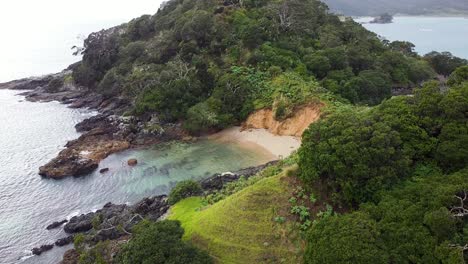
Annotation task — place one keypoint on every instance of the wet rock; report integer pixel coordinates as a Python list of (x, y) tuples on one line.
[(92, 122), (68, 165), (152, 207), (132, 162), (56, 224), (64, 241), (27, 83), (112, 215), (81, 223), (103, 170), (42, 249)]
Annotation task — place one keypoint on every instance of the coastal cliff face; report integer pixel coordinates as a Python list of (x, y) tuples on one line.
[(295, 125)]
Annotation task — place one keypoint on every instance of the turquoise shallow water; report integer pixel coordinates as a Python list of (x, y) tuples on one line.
[(427, 33), (32, 133)]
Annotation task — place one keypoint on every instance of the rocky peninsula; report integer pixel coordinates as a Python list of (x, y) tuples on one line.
[(114, 221), (108, 132)]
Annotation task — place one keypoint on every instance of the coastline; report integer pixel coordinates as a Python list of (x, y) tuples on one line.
[(275, 146)]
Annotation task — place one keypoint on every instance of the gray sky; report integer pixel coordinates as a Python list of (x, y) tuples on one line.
[(36, 35)]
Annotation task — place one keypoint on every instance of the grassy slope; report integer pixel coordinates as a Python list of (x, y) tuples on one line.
[(241, 228)]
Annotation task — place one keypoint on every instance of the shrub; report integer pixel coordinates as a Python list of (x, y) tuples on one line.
[(459, 76), (183, 190), (54, 85), (160, 243), (357, 154), (347, 239)]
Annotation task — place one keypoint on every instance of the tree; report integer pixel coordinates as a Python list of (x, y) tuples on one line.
[(404, 47), (357, 154), (319, 65), (459, 76), (370, 87), (352, 238), (444, 63), (160, 242), (183, 190)]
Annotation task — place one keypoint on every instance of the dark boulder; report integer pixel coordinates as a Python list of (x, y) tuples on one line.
[(42, 249), (81, 223), (132, 162), (56, 224), (152, 207), (64, 241), (92, 122)]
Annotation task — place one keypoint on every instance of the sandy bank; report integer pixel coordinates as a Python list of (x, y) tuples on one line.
[(261, 140), (293, 126)]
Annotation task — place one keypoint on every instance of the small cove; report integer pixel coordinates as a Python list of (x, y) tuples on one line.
[(33, 133)]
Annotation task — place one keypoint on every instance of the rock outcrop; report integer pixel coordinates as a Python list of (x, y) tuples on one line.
[(56, 224), (41, 249), (106, 220), (217, 181)]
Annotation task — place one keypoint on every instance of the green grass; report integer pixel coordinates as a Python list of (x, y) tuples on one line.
[(241, 228)]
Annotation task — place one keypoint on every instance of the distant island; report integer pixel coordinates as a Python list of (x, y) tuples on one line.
[(385, 18), (413, 7)]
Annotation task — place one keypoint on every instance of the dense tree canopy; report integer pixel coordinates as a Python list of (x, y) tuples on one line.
[(414, 223), (358, 153), (179, 62), (160, 242)]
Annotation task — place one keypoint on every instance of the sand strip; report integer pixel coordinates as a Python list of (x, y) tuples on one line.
[(278, 146)]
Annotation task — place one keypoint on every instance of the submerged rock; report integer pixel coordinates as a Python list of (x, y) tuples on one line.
[(132, 162), (64, 241), (42, 249), (56, 224)]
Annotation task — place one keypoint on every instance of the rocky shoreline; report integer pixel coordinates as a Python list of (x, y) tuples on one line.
[(108, 132), (104, 134), (113, 222)]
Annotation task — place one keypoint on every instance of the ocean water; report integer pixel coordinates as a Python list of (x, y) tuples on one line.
[(44, 51), (33, 133), (427, 33)]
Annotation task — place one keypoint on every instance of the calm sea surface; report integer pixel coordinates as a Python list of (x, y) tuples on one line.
[(427, 33), (33, 133)]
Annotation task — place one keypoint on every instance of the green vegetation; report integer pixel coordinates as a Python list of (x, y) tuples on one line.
[(210, 65), (249, 226), (412, 224), (356, 154), (400, 169), (378, 179), (444, 63), (183, 190), (160, 242)]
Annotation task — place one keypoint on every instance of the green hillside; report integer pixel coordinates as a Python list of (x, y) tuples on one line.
[(379, 179), (211, 63)]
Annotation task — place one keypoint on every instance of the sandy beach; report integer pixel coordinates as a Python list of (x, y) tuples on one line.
[(276, 146)]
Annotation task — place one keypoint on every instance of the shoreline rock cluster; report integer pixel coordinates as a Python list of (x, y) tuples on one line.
[(104, 134), (114, 221)]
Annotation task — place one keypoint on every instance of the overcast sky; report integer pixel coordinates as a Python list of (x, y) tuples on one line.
[(46, 11), (36, 35)]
